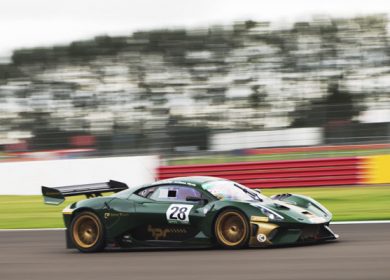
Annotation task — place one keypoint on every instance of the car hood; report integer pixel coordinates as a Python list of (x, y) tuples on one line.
[(311, 214)]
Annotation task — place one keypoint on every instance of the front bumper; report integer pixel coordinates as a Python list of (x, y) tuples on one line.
[(267, 234)]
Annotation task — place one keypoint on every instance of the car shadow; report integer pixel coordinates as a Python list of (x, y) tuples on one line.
[(199, 249)]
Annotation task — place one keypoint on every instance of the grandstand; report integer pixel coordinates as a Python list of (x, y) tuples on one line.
[(138, 93)]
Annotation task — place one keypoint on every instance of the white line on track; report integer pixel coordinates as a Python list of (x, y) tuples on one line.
[(361, 222), (332, 223), (32, 229)]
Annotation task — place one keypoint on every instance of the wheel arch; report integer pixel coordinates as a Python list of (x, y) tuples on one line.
[(69, 220), (83, 209)]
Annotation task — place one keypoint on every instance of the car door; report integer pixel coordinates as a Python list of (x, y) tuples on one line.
[(166, 213)]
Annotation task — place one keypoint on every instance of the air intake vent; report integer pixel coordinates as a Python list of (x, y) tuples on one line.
[(282, 207)]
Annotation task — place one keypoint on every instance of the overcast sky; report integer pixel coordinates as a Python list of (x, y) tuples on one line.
[(29, 23)]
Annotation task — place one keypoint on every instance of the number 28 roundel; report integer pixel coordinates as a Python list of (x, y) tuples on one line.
[(179, 213)]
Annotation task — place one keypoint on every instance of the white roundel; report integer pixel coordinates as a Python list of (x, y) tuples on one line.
[(179, 213), (261, 238)]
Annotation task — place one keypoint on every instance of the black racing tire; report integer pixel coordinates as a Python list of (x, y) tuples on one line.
[(232, 229), (87, 232)]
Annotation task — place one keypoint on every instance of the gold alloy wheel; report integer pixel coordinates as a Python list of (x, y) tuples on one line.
[(86, 230), (231, 228)]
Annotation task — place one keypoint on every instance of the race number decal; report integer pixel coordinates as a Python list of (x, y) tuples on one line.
[(179, 213)]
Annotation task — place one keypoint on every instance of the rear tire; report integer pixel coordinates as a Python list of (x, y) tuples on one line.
[(231, 229), (87, 232)]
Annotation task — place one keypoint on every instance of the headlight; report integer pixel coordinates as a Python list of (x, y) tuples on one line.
[(272, 215)]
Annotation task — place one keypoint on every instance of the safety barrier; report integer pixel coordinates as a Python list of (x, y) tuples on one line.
[(25, 178), (277, 174)]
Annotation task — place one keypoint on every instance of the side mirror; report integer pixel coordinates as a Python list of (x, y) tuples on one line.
[(197, 199)]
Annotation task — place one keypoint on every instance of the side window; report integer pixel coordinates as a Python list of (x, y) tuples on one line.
[(174, 193), (147, 193)]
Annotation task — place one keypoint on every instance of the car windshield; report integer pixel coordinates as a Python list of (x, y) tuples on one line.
[(228, 190)]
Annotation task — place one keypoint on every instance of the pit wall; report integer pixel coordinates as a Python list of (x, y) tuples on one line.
[(293, 173), (25, 178)]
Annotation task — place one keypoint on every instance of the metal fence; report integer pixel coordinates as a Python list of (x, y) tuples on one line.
[(208, 139)]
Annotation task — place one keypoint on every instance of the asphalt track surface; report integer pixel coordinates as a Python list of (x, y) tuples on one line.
[(363, 252)]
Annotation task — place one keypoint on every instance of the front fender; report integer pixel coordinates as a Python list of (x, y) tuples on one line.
[(305, 202)]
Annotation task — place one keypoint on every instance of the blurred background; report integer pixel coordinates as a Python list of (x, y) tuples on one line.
[(213, 87), (143, 90)]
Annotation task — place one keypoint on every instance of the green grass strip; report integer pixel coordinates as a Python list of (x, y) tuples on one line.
[(29, 211), (346, 204)]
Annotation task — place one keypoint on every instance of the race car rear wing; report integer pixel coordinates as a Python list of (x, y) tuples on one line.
[(57, 195)]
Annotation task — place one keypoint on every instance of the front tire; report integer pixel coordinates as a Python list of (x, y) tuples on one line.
[(87, 232), (231, 229)]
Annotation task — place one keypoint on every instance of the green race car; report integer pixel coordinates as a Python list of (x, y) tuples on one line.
[(193, 211)]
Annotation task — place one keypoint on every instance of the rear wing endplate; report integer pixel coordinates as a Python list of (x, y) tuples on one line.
[(57, 195)]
